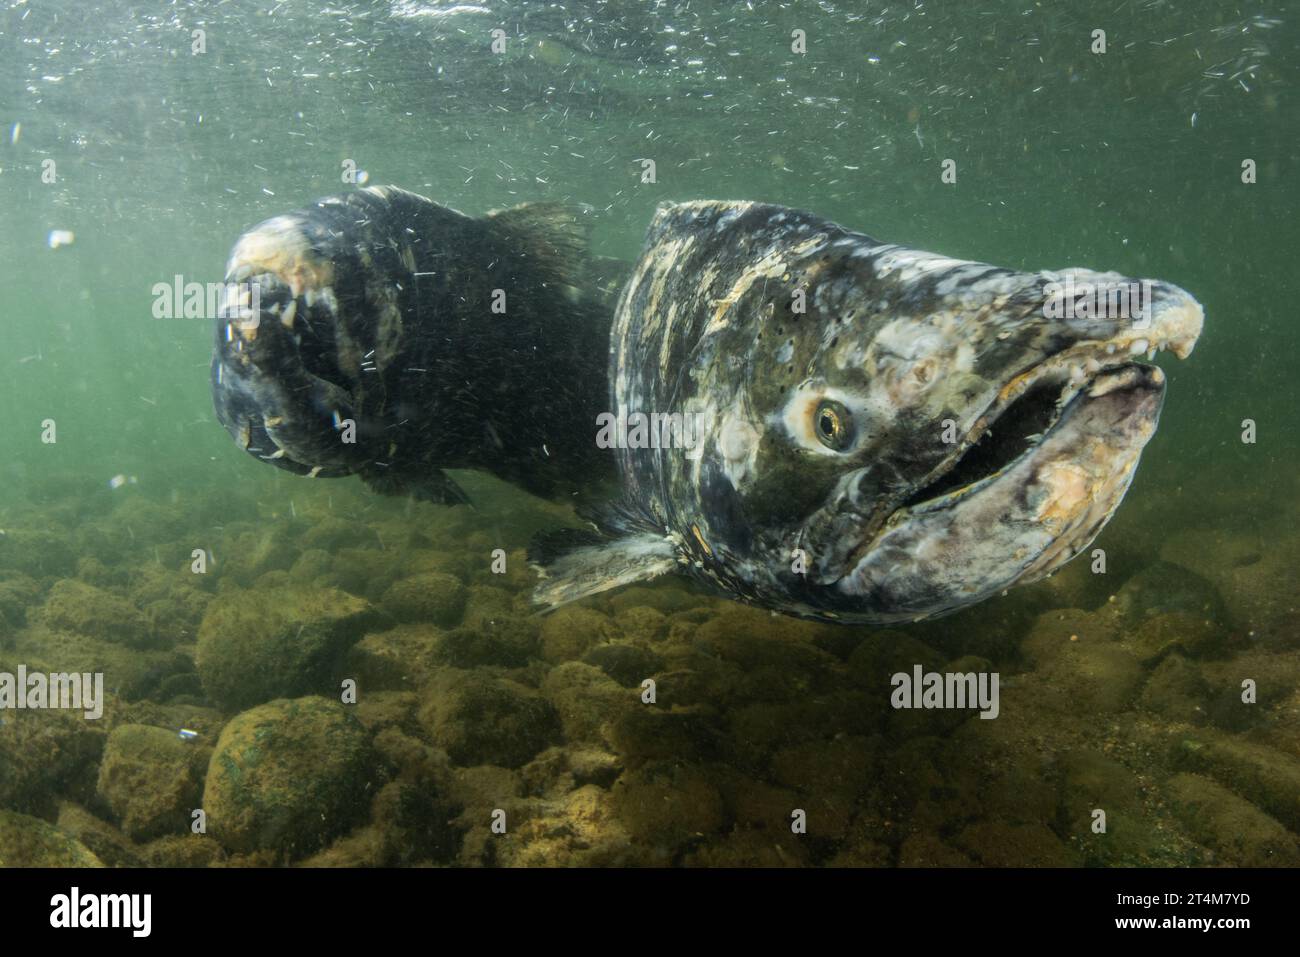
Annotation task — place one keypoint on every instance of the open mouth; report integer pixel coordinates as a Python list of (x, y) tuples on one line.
[(1030, 407), (1015, 431)]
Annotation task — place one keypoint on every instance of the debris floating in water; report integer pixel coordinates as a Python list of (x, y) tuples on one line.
[(15, 132), (187, 735), (117, 481), (61, 237)]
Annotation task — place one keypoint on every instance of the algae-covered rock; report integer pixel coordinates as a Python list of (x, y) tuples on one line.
[(507, 640), (129, 673), (1162, 588), (640, 623), (265, 643), (46, 754), (645, 732), (395, 659), (86, 610), (37, 552), (102, 839), (1132, 838), (665, 803), (312, 567), (1096, 677), (332, 534), (927, 850), (667, 595), (151, 778), (434, 597), (579, 829), (1158, 635), (570, 631), (288, 776), (30, 842), (629, 665), (1177, 691), (998, 844), (830, 777), (1234, 828), (254, 554), (559, 770), (587, 700), (881, 655), (480, 719), (862, 851), (1268, 777), (486, 602), (18, 593), (183, 850)]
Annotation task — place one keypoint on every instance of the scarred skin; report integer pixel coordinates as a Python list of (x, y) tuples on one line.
[(816, 490)]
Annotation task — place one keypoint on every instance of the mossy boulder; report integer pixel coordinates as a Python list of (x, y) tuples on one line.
[(480, 719), (569, 632), (288, 776), (267, 643), (37, 552), (508, 640), (30, 842), (75, 606), (104, 841), (1237, 830), (151, 779), (46, 754), (434, 597)]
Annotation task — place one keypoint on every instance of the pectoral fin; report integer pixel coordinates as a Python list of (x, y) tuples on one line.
[(588, 569)]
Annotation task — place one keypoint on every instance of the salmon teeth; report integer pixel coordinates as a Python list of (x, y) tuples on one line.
[(1138, 346)]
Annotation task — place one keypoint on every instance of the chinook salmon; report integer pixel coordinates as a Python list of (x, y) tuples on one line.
[(885, 434), (392, 337)]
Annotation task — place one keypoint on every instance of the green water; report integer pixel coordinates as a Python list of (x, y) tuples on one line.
[(1128, 160)]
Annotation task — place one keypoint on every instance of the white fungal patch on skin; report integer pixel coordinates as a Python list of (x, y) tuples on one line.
[(666, 346), (916, 364), (738, 442), (278, 246), (905, 265), (773, 265)]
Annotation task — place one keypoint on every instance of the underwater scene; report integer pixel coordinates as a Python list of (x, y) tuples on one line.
[(624, 433)]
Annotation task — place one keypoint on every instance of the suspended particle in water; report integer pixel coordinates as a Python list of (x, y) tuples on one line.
[(60, 237)]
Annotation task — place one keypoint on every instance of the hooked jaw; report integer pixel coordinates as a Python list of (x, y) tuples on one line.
[(1038, 476)]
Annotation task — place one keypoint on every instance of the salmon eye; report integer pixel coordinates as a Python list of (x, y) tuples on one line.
[(833, 425)]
